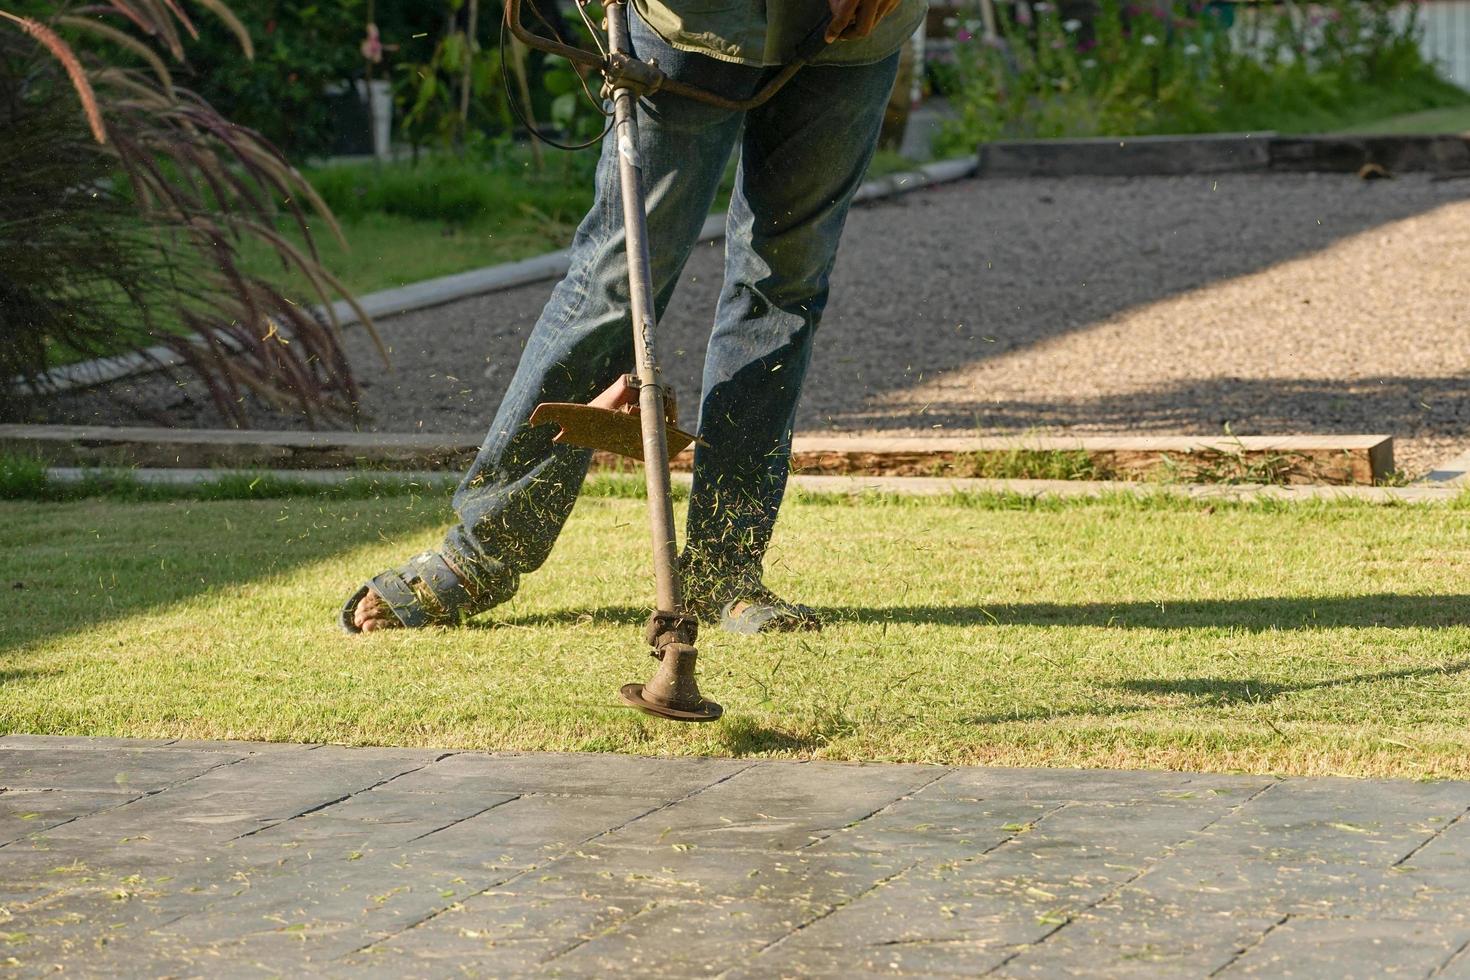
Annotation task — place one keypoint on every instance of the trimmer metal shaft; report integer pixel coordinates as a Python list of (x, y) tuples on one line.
[(673, 693)]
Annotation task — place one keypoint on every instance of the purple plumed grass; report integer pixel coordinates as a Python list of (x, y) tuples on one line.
[(63, 53)]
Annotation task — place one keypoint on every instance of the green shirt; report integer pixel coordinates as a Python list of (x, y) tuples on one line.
[(765, 32)]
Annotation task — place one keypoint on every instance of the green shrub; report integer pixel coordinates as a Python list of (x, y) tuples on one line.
[(458, 191), (300, 49), (1181, 69)]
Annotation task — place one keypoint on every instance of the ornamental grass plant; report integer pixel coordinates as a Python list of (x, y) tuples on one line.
[(125, 204)]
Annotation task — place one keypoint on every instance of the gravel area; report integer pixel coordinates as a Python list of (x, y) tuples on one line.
[(1269, 304)]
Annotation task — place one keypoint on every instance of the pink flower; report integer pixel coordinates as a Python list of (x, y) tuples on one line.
[(963, 35)]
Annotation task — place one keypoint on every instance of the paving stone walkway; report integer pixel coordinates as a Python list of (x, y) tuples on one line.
[(151, 859)]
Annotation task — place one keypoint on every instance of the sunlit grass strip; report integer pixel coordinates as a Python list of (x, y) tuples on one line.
[(1125, 632)]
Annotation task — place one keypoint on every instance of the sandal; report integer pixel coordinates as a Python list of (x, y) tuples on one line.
[(742, 603), (765, 612), (424, 591)]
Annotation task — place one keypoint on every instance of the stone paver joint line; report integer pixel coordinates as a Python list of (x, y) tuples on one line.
[(1150, 862), (875, 886), (1457, 957), (341, 799), (905, 870), (134, 799), (1459, 818), (1243, 950), (593, 937), (818, 839), (369, 947), (459, 820)]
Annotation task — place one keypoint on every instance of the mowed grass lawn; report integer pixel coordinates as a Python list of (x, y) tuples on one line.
[(1450, 119), (449, 217), (1268, 638)]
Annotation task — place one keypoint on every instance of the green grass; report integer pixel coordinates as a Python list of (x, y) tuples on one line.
[(1133, 632), (404, 222), (1335, 108), (1452, 119), (27, 479), (386, 251)]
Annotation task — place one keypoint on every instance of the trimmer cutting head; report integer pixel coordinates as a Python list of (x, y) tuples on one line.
[(637, 696), (673, 691)]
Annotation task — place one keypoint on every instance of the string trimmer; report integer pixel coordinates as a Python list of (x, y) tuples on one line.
[(636, 417)]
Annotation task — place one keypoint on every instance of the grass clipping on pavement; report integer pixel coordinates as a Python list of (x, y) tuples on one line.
[(1126, 632)]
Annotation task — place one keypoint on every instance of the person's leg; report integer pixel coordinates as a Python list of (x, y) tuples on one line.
[(521, 488), (803, 156)]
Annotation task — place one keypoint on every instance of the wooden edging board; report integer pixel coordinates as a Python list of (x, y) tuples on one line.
[(1323, 460)]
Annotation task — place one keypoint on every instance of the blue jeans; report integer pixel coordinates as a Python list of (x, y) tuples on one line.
[(802, 157)]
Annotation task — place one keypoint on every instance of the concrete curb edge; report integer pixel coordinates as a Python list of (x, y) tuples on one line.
[(1218, 153)]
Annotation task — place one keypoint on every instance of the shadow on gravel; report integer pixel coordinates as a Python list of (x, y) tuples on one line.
[(1384, 610), (926, 283), (979, 270), (1212, 692), (1388, 404)]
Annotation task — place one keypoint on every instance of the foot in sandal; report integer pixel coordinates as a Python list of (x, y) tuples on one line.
[(424, 591)]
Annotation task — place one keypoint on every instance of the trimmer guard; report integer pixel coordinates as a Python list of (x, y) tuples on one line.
[(612, 430)]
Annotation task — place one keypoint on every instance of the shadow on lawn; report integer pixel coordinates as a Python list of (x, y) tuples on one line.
[(1214, 692), (1220, 691), (1388, 610), (743, 737), (592, 616), (104, 562)]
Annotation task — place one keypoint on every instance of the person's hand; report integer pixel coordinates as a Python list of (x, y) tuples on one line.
[(620, 397), (856, 18)]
